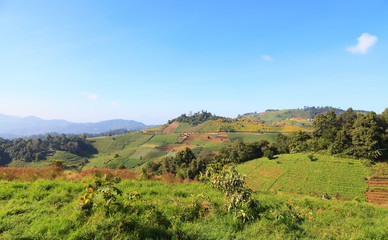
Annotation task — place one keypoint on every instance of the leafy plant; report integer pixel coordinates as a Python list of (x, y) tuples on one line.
[(238, 197), (268, 154), (101, 193)]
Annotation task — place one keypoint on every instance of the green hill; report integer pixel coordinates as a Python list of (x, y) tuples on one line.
[(274, 115)]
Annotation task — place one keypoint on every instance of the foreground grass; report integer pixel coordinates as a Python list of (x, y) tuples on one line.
[(48, 210)]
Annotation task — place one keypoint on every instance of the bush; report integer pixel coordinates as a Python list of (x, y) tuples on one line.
[(121, 166), (238, 197), (311, 157), (268, 154)]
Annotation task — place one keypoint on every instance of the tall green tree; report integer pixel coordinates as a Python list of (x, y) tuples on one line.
[(368, 135)]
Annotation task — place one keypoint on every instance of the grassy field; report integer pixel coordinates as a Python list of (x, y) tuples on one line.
[(252, 137), (117, 149), (281, 115), (162, 140), (212, 146), (333, 176), (258, 127), (208, 126), (156, 129), (49, 210)]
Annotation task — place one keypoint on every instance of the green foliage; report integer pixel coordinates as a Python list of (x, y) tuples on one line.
[(121, 166), (311, 157), (238, 197), (102, 192), (57, 163), (362, 136), (268, 154), (185, 164), (238, 151), (196, 118), (37, 150)]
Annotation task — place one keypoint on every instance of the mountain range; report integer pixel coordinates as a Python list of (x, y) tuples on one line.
[(13, 127)]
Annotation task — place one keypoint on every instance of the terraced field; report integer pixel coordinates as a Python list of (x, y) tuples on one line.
[(378, 184), (330, 176), (378, 191)]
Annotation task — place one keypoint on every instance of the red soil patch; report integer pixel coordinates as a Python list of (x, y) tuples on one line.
[(171, 128), (216, 138), (190, 137)]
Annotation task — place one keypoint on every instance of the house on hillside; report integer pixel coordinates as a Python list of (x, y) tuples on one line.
[(49, 153)]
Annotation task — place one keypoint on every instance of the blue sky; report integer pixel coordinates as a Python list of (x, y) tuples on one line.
[(153, 60)]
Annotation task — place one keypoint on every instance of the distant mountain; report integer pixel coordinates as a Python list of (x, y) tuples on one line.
[(12, 127), (276, 115)]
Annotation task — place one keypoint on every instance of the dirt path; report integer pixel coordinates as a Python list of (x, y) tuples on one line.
[(378, 191), (171, 128)]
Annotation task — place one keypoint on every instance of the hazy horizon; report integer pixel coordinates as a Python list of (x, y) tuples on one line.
[(152, 61)]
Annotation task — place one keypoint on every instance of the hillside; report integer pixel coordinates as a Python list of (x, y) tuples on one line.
[(296, 115), (13, 127)]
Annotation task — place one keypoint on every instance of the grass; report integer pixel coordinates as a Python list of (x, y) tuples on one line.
[(23, 164), (156, 129), (116, 149), (162, 140), (281, 115), (212, 146), (208, 126), (258, 127), (71, 160), (48, 210), (296, 173), (252, 137), (120, 142)]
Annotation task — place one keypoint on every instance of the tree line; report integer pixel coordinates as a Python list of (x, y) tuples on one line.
[(37, 149), (87, 135), (187, 165), (349, 134)]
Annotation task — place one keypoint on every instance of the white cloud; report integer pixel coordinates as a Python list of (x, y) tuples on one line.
[(114, 102), (365, 41), (267, 58), (91, 96)]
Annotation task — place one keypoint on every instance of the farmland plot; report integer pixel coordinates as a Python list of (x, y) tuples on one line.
[(330, 176)]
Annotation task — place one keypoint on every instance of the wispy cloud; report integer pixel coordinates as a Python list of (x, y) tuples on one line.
[(365, 41), (114, 102), (91, 96), (267, 58)]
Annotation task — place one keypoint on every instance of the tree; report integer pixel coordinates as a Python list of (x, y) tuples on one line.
[(367, 135), (343, 139), (326, 126), (298, 141)]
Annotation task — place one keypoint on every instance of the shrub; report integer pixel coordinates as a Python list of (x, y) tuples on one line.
[(311, 157), (268, 154), (238, 197), (121, 166)]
